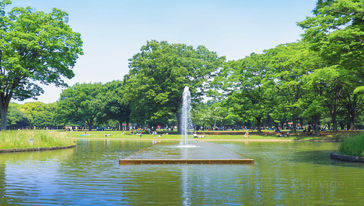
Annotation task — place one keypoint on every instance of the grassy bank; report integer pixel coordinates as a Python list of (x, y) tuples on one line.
[(126, 135), (24, 139), (353, 146), (120, 135)]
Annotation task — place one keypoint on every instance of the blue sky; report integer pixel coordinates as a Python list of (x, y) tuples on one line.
[(114, 30)]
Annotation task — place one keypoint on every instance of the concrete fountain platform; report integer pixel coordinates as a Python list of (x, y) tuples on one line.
[(185, 161), (203, 153)]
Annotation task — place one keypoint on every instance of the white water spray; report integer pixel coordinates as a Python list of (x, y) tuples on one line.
[(186, 123)]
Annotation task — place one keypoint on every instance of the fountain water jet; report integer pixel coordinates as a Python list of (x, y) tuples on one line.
[(205, 154), (186, 123)]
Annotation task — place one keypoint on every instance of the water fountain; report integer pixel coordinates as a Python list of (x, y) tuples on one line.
[(186, 123), (202, 152)]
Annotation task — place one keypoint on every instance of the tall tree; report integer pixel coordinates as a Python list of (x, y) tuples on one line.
[(40, 114), (201, 115), (16, 118), (158, 74), (115, 106), (336, 33), (35, 48), (250, 92), (81, 103), (289, 63)]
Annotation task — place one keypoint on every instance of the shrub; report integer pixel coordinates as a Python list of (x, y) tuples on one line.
[(353, 146)]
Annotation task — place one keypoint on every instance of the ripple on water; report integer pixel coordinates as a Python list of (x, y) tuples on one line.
[(284, 174), (201, 150)]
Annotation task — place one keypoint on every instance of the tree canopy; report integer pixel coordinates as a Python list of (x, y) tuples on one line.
[(336, 32), (35, 48), (315, 81), (81, 104), (158, 74)]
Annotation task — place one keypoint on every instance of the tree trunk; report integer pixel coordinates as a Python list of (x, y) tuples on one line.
[(4, 104), (351, 108), (4, 112), (342, 125), (89, 124), (333, 119), (270, 125), (294, 125), (259, 119), (316, 122), (120, 125), (352, 122)]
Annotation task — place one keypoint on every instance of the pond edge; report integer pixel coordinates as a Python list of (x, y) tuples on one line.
[(35, 149), (347, 158)]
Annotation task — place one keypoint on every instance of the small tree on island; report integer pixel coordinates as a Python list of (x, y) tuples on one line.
[(35, 48)]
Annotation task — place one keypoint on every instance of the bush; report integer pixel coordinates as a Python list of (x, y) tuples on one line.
[(353, 146)]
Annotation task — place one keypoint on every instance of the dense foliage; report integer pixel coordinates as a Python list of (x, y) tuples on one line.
[(35, 48), (316, 82), (158, 74)]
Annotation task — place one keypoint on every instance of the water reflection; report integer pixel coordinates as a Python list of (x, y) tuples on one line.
[(22, 173), (284, 173), (303, 173)]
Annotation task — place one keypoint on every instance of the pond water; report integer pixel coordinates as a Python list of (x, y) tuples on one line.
[(283, 174)]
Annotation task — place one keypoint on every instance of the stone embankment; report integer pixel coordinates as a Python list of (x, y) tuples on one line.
[(34, 149), (347, 158)]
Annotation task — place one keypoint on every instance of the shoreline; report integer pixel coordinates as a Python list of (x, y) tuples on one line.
[(200, 140), (35, 149), (205, 140), (346, 158)]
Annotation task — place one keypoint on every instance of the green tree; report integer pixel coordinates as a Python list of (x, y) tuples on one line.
[(201, 115), (39, 114), (313, 100), (250, 93), (158, 74), (16, 118), (222, 114), (81, 104), (115, 106), (289, 63), (336, 33), (359, 90), (35, 48)]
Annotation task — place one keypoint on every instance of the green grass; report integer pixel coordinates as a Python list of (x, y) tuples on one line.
[(24, 139), (353, 146), (118, 135), (126, 135)]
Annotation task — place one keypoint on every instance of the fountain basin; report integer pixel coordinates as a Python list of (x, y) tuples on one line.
[(200, 153), (187, 146), (185, 161)]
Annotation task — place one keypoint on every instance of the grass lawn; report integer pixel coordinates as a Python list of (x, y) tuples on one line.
[(25, 139), (119, 135)]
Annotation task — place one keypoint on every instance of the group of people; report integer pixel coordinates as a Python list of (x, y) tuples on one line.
[(198, 136)]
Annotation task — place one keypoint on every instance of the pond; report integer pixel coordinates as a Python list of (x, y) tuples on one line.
[(298, 173)]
